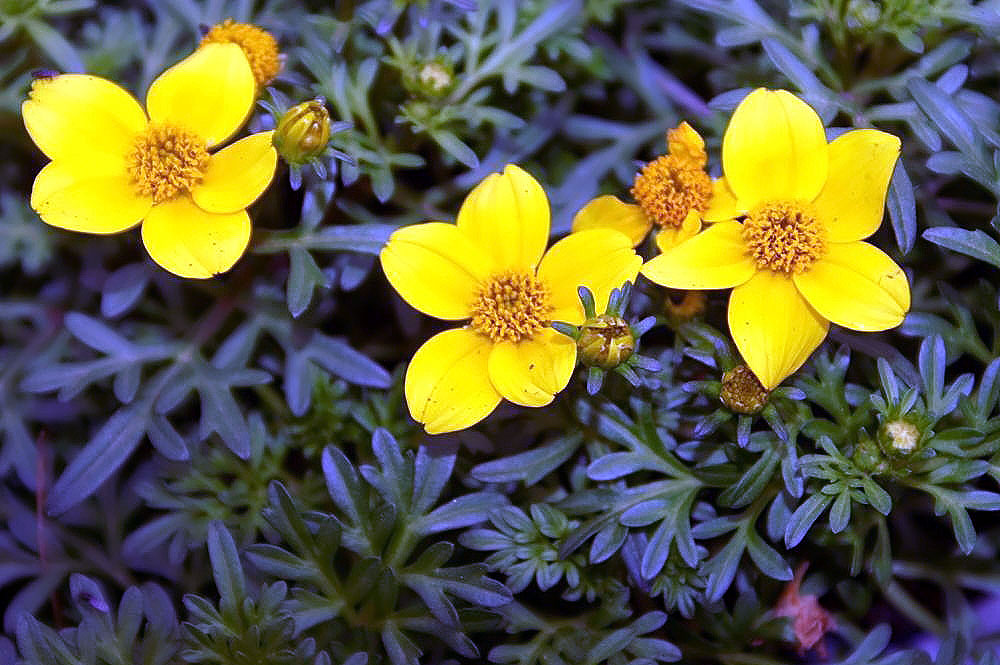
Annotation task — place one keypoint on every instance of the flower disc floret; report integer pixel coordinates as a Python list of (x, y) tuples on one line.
[(260, 47), (668, 188), (511, 307), (167, 161), (784, 236)]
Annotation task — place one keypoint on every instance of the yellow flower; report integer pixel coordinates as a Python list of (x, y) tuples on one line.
[(672, 192), (792, 212), (113, 167), (259, 46), (491, 269)]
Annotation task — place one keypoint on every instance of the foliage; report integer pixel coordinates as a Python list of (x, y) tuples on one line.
[(224, 471)]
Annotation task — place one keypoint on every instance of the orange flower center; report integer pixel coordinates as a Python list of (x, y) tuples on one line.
[(511, 307), (166, 161), (259, 46), (669, 187), (784, 236)]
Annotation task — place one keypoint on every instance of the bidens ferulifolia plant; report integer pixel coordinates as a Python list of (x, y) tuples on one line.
[(467, 331)]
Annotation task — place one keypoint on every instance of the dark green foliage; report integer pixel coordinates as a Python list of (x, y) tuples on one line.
[(225, 471)]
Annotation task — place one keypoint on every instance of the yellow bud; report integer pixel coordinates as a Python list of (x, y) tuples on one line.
[(303, 132), (684, 143), (742, 391), (605, 341)]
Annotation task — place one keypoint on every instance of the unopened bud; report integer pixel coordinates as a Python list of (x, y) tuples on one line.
[(902, 436), (742, 391), (435, 78), (691, 305), (605, 341), (868, 457), (303, 132)]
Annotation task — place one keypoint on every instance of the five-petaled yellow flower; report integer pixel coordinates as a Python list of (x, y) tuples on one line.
[(492, 269), (113, 167), (791, 216), (671, 192)]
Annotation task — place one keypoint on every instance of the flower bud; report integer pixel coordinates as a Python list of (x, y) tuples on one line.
[(434, 78), (901, 436), (303, 132), (691, 305), (605, 341), (868, 457), (742, 391)]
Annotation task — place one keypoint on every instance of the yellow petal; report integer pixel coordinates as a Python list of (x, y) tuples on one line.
[(686, 144), (723, 205), (852, 202), (600, 259), (508, 216), (89, 200), (436, 268), (76, 118), (532, 371), (671, 237), (608, 212), (774, 148), (716, 258), (856, 285), (189, 242), (773, 326), (210, 93), (447, 384), (237, 174)]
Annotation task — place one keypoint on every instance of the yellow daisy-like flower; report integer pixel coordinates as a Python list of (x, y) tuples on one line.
[(791, 214), (113, 166), (259, 46), (492, 270), (671, 192)]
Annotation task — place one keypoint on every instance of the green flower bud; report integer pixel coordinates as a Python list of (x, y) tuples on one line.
[(303, 132), (605, 341), (742, 391), (868, 457)]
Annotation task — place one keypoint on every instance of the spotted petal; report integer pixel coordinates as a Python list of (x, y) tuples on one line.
[(447, 384), (82, 119), (190, 242), (857, 285), (532, 371)]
